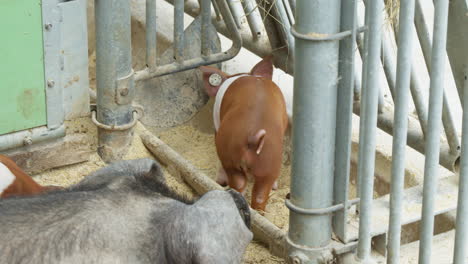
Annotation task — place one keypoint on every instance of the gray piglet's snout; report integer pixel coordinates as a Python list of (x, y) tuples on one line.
[(242, 206)]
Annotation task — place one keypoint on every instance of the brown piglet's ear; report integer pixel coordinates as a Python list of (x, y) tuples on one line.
[(264, 68), (217, 78)]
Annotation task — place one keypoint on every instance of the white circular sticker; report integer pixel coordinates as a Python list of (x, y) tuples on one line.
[(215, 79)]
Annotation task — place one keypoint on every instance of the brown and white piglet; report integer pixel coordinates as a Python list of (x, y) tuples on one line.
[(15, 182), (250, 120)]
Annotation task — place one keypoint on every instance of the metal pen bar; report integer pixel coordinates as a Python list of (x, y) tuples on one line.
[(151, 48), (292, 4), (403, 76), (289, 11), (260, 46), (434, 127), (415, 82), (415, 137), (205, 26), (367, 136), (237, 11), (188, 64), (195, 62), (426, 46), (113, 76), (284, 23), (389, 65), (418, 99), (361, 44), (253, 17), (179, 30), (217, 11), (344, 114), (362, 41), (460, 253), (314, 114)]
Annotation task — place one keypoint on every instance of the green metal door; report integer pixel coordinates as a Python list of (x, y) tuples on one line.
[(22, 85)]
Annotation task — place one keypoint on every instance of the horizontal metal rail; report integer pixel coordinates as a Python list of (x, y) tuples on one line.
[(30, 136)]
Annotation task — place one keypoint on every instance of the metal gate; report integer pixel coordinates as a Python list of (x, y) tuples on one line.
[(315, 195), (317, 41)]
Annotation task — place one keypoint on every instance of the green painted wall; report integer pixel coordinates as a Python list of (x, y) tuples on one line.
[(22, 89)]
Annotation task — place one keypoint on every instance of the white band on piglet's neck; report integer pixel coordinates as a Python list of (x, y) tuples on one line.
[(219, 98)]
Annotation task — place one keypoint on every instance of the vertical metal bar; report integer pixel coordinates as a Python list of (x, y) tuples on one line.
[(236, 11), (315, 116), (369, 125), (418, 99), (460, 253), (344, 114), (415, 82), (425, 40), (217, 11), (253, 17), (113, 63), (292, 4), (284, 23), (434, 126), (206, 22), (389, 65), (179, 30), (362, 45), (151, 34), (289, 12), (405, 42)]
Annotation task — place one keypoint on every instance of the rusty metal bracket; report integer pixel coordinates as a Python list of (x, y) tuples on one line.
[(124, 89)]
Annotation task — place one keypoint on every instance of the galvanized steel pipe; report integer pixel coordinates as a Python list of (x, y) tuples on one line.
[(344, 114), (367, 134), (426, 46), (114, 76), (253, 17), (314, 110), (434, 127), (403, 76), (236, 11), (461, 238), (151, 43), (284, 24), (179, 30), (30, 136), (206, 22)]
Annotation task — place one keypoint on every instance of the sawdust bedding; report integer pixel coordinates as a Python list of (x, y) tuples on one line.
[(194, 141)]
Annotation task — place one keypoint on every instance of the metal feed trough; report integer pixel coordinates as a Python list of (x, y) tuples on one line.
[(317, 42)]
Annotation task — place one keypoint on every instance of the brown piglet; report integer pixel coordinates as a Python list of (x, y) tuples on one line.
[(15, 182), (250, 120)]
